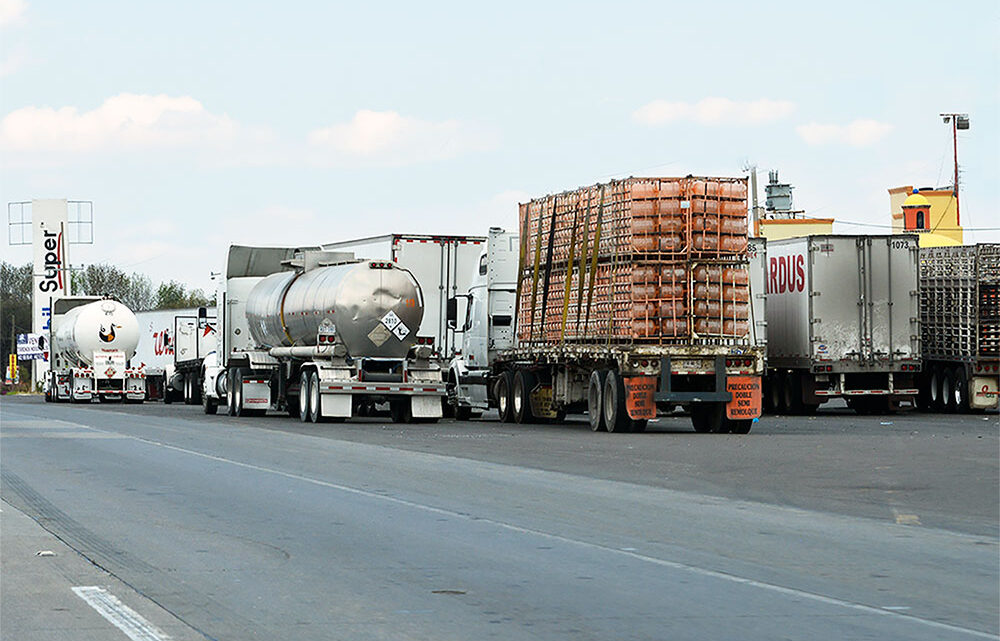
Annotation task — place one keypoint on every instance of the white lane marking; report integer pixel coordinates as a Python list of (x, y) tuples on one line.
[(733, 578), (120, 615)]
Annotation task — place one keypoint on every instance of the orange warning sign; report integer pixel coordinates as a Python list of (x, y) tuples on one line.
[(746, 397), (639, 397)]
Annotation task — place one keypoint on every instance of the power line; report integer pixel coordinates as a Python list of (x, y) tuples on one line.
[(936, 229)]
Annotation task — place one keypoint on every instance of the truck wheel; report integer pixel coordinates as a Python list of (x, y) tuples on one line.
[(188, 396), (238, 409), (616, 417), (708, 418), (595, 403), (304, 396), (741, 426), (230, 400), (923, 392), (209, 404), (948, 392), (401, 410), (524, 382), (503, 389), (768, 395), (315, 399), (936, 391), (960, 393), (793, 393)]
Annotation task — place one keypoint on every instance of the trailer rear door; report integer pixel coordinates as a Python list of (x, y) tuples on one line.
[(444, 266), (863, 297)]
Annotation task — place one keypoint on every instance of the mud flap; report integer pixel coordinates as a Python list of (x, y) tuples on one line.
[(746, 401), (639, 401), (541, 402)]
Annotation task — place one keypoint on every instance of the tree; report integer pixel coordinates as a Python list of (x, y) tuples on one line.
[(102, 279), (15, 305), (174, 295)]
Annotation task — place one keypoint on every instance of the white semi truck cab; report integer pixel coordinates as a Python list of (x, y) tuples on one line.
[(488, 326)]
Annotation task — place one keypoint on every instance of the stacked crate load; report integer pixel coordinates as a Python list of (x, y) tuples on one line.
[(648, 260), (960, 301)]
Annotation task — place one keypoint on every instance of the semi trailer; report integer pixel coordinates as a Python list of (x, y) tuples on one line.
[(618, 300), (322, 336), (842, 321), (173, 344), (194, 340), (92, 341), (960, 326)]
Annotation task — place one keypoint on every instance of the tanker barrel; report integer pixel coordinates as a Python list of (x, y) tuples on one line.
[(102, 325), (374, 306)]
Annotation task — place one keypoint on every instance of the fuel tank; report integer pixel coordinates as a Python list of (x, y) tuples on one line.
[(98, 326), (375, 306)]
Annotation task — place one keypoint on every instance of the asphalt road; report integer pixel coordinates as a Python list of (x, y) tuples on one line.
[(828, 527)]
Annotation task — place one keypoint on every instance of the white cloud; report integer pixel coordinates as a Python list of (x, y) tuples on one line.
[(388, 138), (713, 111), (13, 62), (11, 11), (858, 133), (122, 122)]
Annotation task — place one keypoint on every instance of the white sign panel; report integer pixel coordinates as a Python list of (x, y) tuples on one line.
[(31, 347), (51, 262)]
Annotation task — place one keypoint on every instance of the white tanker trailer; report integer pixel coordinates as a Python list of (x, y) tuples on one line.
[(92, 341), (321, 336)]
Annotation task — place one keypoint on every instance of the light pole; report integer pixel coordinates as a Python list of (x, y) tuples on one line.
[(957, 121)]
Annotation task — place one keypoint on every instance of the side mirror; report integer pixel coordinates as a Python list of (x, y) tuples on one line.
[(451, 313)]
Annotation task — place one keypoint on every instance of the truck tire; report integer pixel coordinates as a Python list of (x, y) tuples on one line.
[(315, 399), (923, 391), (502, 390), (793, 393), (960, 391), (708, 418), (616, 418), (230, 395), (524, 383), (237, 387), (595, 403), (188, 395), (304, 409), (741, 426), (936, 389), (209, 405), (401, 410), (948, 392)]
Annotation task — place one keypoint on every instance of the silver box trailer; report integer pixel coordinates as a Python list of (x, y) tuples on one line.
[(443, 265), (960, 325), (842, 321)]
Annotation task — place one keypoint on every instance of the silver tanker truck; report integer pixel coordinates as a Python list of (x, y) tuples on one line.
[(92, 342), (322, 336)]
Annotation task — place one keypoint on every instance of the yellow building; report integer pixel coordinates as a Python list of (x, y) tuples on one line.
[(937, 229), (781, 228)]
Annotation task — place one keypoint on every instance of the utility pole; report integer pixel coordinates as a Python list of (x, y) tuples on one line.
[(957, 121)]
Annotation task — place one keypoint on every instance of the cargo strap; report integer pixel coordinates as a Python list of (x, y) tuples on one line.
[(534, 278), (583, 261), (548, 260), (569, 269), (593, 260)]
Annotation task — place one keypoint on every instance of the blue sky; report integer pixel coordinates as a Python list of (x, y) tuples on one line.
[(191, 125)]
